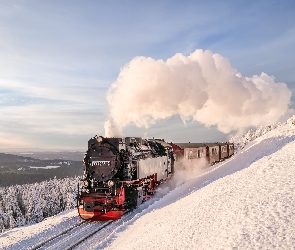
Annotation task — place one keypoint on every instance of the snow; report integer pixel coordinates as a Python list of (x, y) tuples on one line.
[(47, 167), (246, 202), (26, 236)]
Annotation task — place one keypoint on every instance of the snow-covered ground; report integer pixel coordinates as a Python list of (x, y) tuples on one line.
[(246, 202), (47, 167)]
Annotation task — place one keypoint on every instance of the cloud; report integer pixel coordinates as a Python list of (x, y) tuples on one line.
[(12, 141), (51, 125), (202, 86), (47, 118)]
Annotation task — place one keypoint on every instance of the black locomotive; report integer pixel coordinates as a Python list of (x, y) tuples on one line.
[(120, 174)]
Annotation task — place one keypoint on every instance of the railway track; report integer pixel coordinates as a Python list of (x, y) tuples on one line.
[(98, 241), (73, 236)]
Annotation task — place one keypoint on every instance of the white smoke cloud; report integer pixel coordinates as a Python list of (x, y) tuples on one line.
[(184, 171), (202, 86), (187, 169), (111, 130)]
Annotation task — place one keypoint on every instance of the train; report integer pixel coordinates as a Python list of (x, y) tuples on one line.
[(122, 173)]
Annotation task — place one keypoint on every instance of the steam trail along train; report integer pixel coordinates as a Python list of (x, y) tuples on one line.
[(122, 173)]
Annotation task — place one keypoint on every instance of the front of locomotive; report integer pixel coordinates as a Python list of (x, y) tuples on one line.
[(101, 196)]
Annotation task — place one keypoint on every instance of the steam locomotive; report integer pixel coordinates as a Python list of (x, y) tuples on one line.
[(120, 174)]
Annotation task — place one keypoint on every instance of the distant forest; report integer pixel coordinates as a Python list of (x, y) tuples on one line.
[(19, 170)]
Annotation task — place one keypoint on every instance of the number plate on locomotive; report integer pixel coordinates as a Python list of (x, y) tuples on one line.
[(101, 163)]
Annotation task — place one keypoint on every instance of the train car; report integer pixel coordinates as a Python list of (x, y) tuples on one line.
[(189, 151), (217, 152), (211, 152), (230, 149), (223, 151), (120, 174)]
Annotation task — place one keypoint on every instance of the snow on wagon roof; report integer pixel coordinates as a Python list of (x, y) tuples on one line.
[(190, 145)]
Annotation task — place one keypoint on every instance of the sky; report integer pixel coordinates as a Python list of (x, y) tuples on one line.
[(65, 68)]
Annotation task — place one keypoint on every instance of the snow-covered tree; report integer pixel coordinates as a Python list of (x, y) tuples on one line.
[(31, 203), (241, 141)]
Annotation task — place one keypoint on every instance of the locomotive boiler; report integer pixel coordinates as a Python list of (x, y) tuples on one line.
[(120, 174)]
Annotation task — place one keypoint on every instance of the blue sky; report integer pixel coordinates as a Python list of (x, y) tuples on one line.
[(59, 58)]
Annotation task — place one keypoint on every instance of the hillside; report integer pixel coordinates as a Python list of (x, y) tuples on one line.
[(246, 202)]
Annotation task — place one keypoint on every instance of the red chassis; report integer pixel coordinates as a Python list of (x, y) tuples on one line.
[(105, 206)]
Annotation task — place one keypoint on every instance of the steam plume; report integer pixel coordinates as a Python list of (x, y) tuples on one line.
[(202, 86)]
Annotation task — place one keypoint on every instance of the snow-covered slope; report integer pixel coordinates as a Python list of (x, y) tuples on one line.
[(250, 209), (246, 202)]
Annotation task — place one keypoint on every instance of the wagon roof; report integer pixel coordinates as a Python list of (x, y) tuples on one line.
[(212, 144), (222, 143), (190, 145), (218, 143)]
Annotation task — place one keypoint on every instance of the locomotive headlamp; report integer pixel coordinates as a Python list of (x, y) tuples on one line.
[(111, 183)]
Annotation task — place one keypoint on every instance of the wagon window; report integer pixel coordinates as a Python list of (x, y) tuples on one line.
[(214, 151)]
